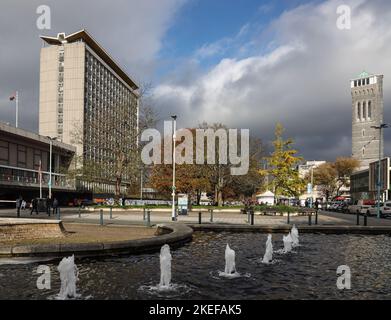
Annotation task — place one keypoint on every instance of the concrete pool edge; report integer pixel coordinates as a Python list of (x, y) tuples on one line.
[(325, 229), (172, 234)]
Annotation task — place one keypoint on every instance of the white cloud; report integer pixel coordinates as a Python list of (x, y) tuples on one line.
[(302, 81)]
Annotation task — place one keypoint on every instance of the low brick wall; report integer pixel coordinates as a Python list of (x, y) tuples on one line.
[(29, 229), (172, 234)]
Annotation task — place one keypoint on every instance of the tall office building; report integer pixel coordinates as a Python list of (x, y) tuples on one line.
[(83, 91), (367, 111)]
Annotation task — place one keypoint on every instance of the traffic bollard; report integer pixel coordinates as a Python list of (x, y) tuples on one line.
[(211, 215), (358, 219), (365, 220), (148, 218), (101, 217), (289, 218), (248, 216), (199, 217), (58, 213), (144, 214), (111, 213), (79, 212), (252, 217), (316, 217), (310, 220)]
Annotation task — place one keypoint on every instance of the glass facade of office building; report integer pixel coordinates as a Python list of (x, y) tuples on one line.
[(110, 118)]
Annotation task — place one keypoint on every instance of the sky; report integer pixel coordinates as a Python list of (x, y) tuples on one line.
[(248, 64)]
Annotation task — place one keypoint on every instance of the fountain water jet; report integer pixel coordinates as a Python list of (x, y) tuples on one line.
[(165, 266), (230, 267), (287, 243), (68, 276), (295, 236), (268, 257), (229, 260)]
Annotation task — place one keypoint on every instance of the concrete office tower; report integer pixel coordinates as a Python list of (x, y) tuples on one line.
[(81, 87), (367, 111)]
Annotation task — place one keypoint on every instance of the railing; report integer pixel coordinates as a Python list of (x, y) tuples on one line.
[(31, 178)]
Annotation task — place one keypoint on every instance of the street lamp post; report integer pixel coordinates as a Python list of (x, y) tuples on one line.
[(380, 128), (173, 215)]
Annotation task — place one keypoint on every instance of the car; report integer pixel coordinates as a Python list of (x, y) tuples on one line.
[(334, 205), (360, 206), (343, 207), (385, 209)]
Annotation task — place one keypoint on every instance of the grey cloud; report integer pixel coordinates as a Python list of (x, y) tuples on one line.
[(130, 30), (306, 87)]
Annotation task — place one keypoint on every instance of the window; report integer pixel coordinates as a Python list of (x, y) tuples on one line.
[(355, 83), (358, 111), (21, 156), (367, 81), (4, 152), (364, 110), (369, 110), (37, 158)]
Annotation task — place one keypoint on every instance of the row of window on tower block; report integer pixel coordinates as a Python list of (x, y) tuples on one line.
[(361, 82), (364, 110)]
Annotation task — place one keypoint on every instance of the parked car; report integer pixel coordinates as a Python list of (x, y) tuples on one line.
[(360, 206), (334, 205), (342, 207), (385, 209)]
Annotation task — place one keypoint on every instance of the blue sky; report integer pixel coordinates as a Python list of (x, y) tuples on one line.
[(203, 22), (248, 64), (207, 21)]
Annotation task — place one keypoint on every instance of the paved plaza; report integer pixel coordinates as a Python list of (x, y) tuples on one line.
[(157, 217)]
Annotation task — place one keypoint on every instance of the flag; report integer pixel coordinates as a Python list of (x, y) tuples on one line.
[(13, 97)]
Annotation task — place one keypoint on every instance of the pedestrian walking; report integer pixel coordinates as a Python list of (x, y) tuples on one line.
[(48, 205), (34, 206), (317, 205), (55, 206), (23, 206), (18, 205)]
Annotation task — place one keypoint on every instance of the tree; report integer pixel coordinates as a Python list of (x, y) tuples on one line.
[(217, 179), (325, 178), (282, 167), (345, 168), (331, 177), (191, 179)]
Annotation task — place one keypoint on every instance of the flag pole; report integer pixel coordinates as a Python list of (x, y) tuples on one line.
[(17, 103), (40, 179)]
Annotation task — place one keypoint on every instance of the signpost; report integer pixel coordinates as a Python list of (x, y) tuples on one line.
[(183, 204)]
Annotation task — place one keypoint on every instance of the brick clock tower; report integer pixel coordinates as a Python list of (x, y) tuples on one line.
[(367, 111)]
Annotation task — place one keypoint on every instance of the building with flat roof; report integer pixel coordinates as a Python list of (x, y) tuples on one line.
[(22, 155), (87, 100), (367, 111)]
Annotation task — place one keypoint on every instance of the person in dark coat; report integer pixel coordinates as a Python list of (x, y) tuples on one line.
[(34, 206), (317, 205), (18, 205), (48, 205), (55, 206)]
